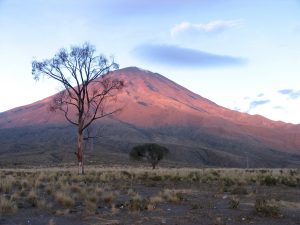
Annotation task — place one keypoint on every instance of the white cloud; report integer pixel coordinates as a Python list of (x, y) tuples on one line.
[(210, 27), (273, 104)]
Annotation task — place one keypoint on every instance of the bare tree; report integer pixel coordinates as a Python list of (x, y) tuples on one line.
[(87, 88)]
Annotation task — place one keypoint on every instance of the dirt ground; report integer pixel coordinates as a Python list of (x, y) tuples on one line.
[(174, 197)]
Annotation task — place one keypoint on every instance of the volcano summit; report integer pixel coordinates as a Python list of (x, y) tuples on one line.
[(197, 131)]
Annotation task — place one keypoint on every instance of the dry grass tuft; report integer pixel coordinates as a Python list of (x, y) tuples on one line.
[(58, 189), (114, 209), (291, 205), (137, 203), (266, 208), (15, 196), (61, 212), (90, 207), (99, 191), (76, 189), (173, 196), (51, 222), (64, 199), (109, 197), (32, 198), (7, 206), (6, 185), (156, 199), (234, 203)]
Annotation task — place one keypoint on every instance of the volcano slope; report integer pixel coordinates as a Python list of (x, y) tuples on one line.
[(197, 131)]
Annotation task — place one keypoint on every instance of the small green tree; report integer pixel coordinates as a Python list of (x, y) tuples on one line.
[(150, 152)]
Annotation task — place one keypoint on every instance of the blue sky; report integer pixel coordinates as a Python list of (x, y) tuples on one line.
[(243, 55)]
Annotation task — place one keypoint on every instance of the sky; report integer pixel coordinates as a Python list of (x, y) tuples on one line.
[(243, 55)]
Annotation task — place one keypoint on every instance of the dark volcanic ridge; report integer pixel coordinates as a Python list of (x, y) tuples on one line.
[(197, 131)]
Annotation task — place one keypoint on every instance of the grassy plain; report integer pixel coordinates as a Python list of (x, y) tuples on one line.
[(115, 195)]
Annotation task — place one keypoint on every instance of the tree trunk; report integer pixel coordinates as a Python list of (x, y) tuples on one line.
[(153, 165), (80, 152)]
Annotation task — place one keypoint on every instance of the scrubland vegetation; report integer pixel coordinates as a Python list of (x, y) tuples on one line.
[(146, 196)]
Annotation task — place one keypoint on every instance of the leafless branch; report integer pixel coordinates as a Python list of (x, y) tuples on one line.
[(87, 88)]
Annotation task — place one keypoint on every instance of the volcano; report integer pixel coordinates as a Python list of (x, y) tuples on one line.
[(197, 131)]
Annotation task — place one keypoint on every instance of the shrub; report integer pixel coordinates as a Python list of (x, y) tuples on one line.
[(269, 181), (194, 176), (289, 182), (228, 181)]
